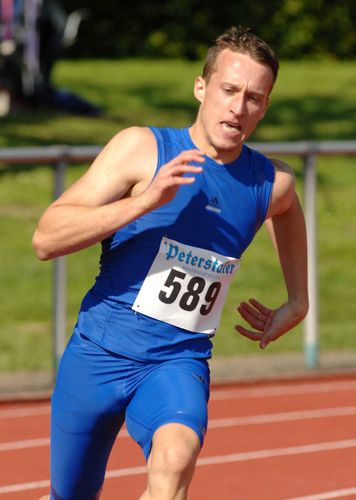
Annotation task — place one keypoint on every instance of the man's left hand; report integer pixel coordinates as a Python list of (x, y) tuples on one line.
[(268, 324)]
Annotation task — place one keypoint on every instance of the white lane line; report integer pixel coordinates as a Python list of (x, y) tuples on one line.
[(282, 417), (25, 443), (279, 452), (127, 471), (215, 460), (345, 492), (283, 390), (38, 442), (217, 423), (30, 411), (219, 394), (33, 485)]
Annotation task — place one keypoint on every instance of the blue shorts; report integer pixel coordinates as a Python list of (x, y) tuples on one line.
[(96, 391)]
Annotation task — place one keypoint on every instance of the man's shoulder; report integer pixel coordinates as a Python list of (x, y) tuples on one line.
[(256, 155), (132, 145), (284, 187), (131, 154), (132, 137), (279, 166), (282, 166)]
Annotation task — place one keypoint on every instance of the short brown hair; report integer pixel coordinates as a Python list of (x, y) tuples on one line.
[(243, 40)]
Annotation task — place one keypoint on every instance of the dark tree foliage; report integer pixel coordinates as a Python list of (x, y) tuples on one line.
[(185, 28)]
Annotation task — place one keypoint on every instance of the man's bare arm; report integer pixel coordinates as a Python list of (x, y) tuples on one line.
[(116, 190), (286, 228)]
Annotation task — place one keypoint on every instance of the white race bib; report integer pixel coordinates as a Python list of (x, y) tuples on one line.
[(186, 286)]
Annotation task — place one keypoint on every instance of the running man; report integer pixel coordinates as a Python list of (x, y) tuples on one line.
[(174, 210)]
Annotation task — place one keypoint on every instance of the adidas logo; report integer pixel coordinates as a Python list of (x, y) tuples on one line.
[(213, 205)]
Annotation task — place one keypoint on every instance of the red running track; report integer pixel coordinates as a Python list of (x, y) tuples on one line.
[(266, 441)]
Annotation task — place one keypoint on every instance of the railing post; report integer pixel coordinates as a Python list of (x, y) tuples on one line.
[(59, 281), (311, 337)]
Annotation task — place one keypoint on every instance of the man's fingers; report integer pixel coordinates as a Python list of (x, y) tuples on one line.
[(191, 153), (260, 318), (252, 335), (182, 164), (246, 308), (171, 176), (177, 180), (271, 323), (252, 321), (252, 316), (183, 169), (269, 337), (176, 176), (260, 307), (264, 342), (263, 339), (185, 158)]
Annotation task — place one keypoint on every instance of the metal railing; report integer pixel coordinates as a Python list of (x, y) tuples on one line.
[(59, 157)]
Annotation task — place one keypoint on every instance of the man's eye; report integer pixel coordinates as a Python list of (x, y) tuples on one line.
[(228, 91)]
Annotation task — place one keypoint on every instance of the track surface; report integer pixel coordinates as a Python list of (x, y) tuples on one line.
[(266, 441)]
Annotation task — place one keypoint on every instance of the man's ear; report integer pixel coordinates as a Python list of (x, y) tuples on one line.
[(199, 88)]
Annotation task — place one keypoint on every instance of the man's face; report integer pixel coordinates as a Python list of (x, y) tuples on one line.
[(232, 103)]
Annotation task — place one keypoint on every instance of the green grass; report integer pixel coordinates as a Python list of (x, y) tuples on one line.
[(311, 101)]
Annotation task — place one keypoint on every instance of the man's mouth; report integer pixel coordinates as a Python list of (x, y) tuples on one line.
[(231, 128)]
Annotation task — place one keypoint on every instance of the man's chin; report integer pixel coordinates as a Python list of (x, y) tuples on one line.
[(226, 153), (231, 144)]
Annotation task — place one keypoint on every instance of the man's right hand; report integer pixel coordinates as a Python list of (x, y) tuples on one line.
[(170, 177)]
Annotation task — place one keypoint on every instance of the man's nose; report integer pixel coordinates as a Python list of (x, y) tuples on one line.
[(238, 106)]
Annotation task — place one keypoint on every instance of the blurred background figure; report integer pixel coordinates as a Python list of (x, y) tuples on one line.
[(33, 35)]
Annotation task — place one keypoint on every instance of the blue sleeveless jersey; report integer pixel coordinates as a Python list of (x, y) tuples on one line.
[(221, 211)]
